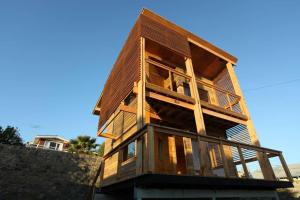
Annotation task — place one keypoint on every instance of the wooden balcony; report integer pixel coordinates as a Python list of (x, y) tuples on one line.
[(168, 81), (169, 151), (217, 99), (165, 83)]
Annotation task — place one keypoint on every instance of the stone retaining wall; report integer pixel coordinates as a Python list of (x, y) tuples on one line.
[(27, 173)]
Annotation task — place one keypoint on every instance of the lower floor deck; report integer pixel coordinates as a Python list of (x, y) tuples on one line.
[(160, 150)]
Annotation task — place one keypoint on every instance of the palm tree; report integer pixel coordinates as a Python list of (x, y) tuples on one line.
[(83, 144)]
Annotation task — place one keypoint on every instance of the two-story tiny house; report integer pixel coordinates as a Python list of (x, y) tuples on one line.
[(176, 123)]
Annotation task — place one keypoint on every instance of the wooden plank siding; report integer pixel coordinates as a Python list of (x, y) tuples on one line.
[(122, 77)]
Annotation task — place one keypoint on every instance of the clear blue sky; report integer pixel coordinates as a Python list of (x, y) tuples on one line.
[(55, 57)]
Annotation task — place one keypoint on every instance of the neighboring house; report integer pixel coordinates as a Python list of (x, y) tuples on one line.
[(176, 123), (52, 142)]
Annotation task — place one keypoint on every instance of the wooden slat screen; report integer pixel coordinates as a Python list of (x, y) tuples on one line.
[(125, 72), (165, 36)]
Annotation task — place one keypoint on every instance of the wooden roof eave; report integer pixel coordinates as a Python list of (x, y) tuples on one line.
[(97, 108), (190, 36)]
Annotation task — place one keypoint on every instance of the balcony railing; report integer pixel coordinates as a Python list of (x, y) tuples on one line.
[(172, 81), (165, 150), (218, 96), (123, 121), (41, 146)]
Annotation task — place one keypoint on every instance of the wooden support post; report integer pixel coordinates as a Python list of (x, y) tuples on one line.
[(150, 147), (246, 172), (141, 109), (170, 80), (205, 166), (263, 160), (266, 166), (147, 113), (229, 160), (102, 171), (224, 161), (139, 155), (172, 153), (188, 152), (285, 168), (120, 160), (141, 89)]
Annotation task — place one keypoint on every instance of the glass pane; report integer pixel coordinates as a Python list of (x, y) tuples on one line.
[(131, 150), (52, 145)]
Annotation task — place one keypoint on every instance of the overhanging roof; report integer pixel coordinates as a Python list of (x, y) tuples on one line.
[(52, 137)]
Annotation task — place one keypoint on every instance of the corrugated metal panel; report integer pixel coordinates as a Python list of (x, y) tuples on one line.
[(125, 72), (165, 36)]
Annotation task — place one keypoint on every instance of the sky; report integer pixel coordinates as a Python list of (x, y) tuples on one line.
[(55, 57)]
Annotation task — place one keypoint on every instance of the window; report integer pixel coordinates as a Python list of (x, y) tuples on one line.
[(187, 90), (203, 95), (129, 99), (129, 151), (54, 145)]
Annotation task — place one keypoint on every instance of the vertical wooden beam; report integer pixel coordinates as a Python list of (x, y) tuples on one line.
[(224, 161), (266, 166), (264, 163), (140, 108), (188, 152), (170, 80), (246, 172), (145, 153), (148, 113), (150, 146), (139, 155), (102, 171), (285, 168), (230, 163), (172, 154), (141, 88), (205, 166), (120, 160)]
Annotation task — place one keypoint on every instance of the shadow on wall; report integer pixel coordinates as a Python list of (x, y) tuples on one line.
[(27, 173)]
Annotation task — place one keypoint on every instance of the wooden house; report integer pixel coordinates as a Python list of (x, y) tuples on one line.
[(176, 122)]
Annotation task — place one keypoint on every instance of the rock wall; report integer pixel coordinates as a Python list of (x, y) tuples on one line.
[(27, 173)]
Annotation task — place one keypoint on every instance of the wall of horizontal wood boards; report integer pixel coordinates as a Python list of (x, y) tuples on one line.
[(125, 72), (126, 69), (165, 36)]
